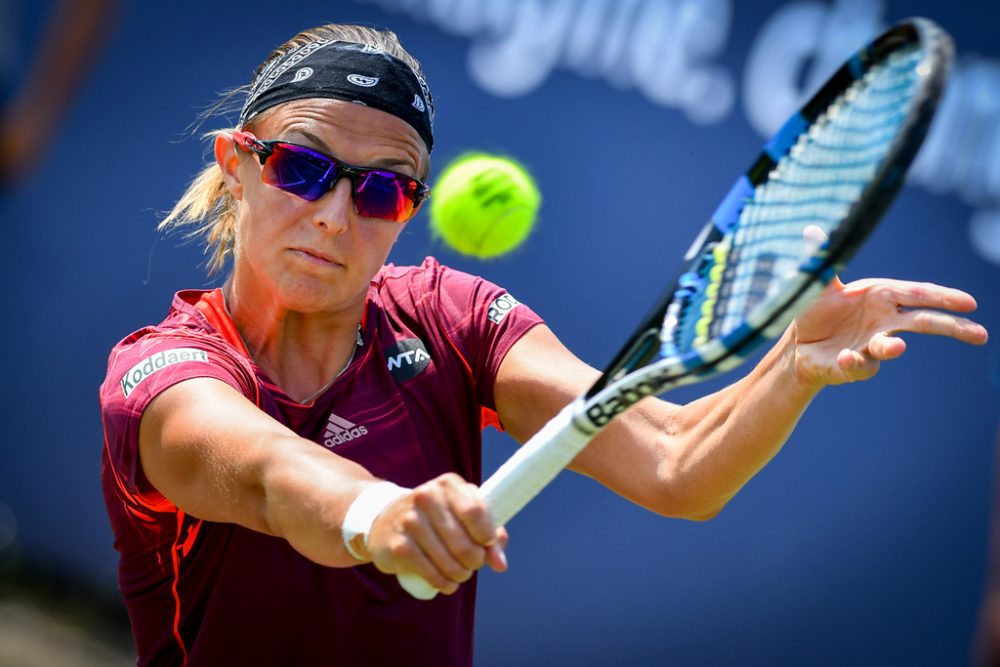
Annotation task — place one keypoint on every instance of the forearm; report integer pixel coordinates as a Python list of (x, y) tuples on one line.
[(688, 461), (717, 443), (681, 461), (219, 458), (305, 495)]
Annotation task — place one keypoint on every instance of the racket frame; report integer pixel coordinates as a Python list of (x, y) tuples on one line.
[(630, 376)]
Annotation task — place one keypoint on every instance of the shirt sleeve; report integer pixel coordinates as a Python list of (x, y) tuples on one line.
[(138, 371), (482, 321)]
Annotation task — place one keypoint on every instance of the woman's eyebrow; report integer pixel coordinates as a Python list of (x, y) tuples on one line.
[(385, 163)]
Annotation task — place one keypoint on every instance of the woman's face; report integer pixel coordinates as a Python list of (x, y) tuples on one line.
[(318, 256)]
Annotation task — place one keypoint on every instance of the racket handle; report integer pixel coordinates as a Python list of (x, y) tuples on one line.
[(416, 586), (534, 465), (521, 478)]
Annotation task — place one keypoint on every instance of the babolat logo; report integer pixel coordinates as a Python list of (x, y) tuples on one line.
[(407, 359), (142, 370), (626, 396), (339, 431), (502, 305)]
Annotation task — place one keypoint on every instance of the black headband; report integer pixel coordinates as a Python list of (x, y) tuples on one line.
[(344, 71)]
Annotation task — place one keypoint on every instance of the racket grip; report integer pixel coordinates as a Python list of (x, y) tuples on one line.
[(416, 586), (520, 479), (534, 465)]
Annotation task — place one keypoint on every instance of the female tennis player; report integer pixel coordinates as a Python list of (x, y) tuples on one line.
[(276, 450)]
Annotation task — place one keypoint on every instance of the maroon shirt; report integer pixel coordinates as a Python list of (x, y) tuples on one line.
[(409, 407)]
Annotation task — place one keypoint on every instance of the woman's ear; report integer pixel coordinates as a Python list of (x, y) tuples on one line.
[(228, 159)]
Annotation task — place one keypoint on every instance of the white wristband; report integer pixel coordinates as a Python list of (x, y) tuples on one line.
[(363, 512)]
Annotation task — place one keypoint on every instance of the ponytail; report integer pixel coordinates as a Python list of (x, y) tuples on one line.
[(209, 211)]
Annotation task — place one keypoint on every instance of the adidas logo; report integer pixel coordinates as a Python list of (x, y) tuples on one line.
[(339, 431)]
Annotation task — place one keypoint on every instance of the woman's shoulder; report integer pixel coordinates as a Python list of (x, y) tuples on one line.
[(187, 329), (428, 277)]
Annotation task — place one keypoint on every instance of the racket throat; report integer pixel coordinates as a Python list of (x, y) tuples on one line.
[(637, 353)]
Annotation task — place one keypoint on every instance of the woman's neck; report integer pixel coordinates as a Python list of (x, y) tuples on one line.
[(303, 353)]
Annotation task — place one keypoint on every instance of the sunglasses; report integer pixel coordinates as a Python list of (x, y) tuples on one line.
[(305, 173)]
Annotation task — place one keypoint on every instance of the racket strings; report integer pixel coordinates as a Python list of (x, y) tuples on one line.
[(815, 184)]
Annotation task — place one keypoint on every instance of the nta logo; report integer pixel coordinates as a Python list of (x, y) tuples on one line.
[(407, 359)]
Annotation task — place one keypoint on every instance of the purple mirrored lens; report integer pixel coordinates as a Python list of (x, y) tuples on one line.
[(385, 195), (300, 171)]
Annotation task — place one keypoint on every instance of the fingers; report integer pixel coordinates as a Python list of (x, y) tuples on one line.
[(851, 329), (458, 527), (473, 514), (883, 347), (419, 554), (929, 322), (443, 532), (907, 294), (856, 366), (920, 308), (496, 558)]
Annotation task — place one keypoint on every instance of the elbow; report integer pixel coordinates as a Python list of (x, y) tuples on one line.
[(704, 514), (692, 512), (680, 492), (688, 509), (690, 504), (697, 492)]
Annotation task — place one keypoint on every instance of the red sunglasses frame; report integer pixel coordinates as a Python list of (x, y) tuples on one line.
[(264, 149)]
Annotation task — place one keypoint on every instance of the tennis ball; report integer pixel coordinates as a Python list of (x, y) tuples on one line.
[(484, 205)]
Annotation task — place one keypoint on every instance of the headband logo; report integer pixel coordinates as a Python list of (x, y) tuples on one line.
[(302, 74), (426, 95), (275, 70), (418, 103), (363, 81)]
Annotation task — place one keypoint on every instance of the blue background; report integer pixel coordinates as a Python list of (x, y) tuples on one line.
[(864, 542)]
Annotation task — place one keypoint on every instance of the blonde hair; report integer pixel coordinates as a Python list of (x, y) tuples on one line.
[(207, 209)]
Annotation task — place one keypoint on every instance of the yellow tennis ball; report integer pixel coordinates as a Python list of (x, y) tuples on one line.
[(484, 205)]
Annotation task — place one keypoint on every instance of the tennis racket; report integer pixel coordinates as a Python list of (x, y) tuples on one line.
[(837, 164)]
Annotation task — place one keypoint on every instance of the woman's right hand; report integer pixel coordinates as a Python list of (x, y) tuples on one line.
[(442, 531)]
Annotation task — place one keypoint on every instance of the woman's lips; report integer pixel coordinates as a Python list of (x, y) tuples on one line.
[(316, 256)]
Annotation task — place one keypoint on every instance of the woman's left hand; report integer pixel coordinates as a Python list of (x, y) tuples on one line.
[(852, 328)]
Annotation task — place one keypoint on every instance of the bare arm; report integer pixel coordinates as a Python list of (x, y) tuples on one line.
[(218, 457), (682, 461), (689, 461)]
